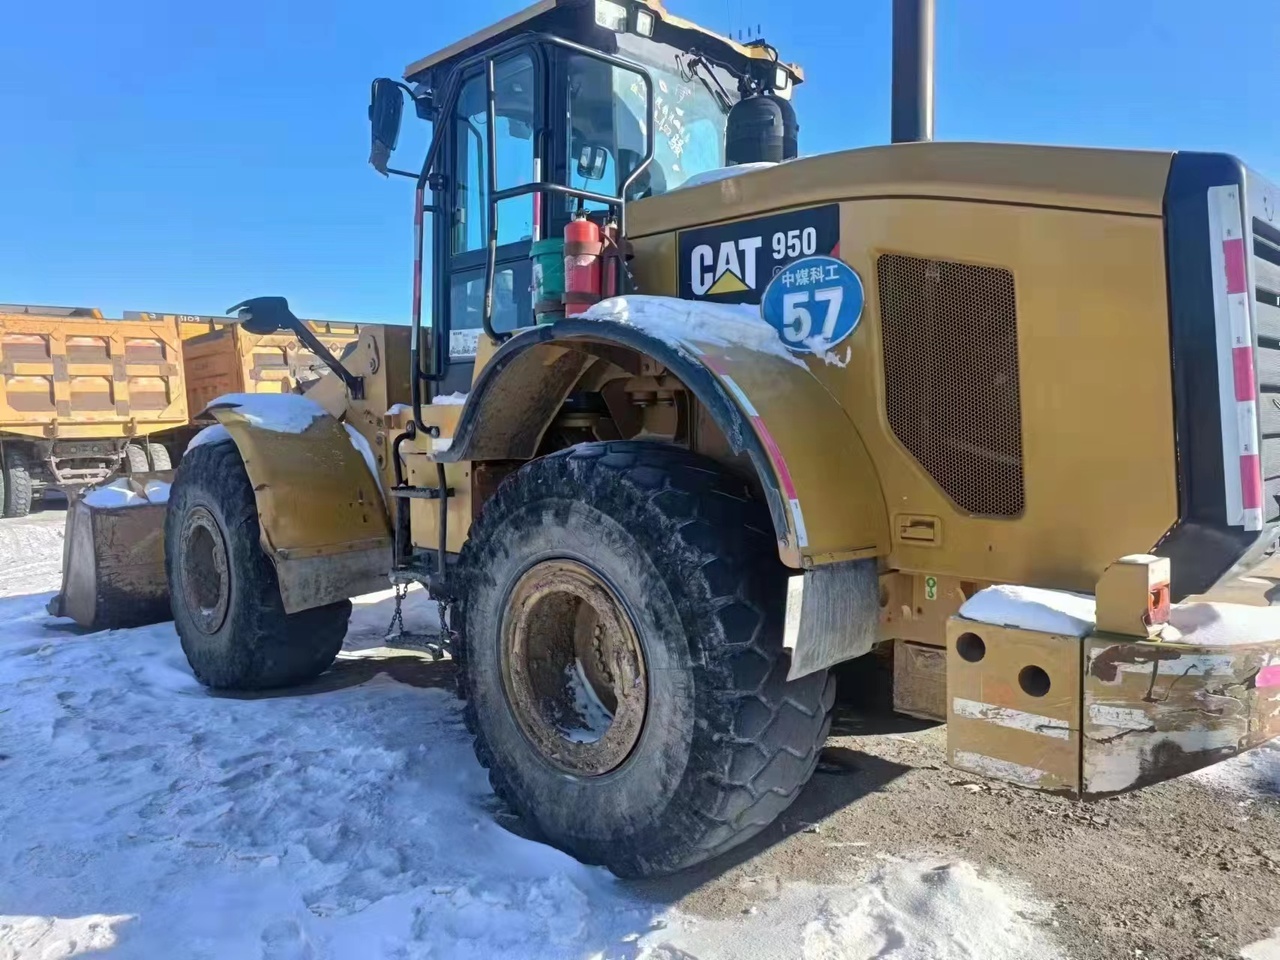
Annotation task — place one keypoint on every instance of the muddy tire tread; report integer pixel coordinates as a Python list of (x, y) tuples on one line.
[(760, 736), (135, 459), (16, 491), (266, 647), (158, 457)]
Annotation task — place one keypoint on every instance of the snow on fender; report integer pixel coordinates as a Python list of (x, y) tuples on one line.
[(285, 413)]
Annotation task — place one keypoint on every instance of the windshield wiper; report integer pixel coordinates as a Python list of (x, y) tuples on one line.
[(718, 91)]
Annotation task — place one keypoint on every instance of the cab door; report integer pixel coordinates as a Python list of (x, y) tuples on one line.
[(461, 236)]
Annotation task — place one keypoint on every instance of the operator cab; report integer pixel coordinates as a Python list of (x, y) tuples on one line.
[(594, 102)]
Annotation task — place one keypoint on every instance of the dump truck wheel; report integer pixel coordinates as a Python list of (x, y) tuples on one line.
[(135, 459), (223, 588), (16, 492), (158, 455), (622, 609)]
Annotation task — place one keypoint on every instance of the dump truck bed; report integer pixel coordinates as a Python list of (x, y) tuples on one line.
[(89, 378), (225, 358)]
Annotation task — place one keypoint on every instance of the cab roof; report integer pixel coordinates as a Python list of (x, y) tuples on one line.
[(543, 16)]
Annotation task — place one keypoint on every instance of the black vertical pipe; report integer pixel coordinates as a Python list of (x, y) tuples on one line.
[(486, 317), (912, 117)]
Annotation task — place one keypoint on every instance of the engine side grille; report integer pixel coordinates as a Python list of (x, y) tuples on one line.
[(951, 377), (1266, 274)]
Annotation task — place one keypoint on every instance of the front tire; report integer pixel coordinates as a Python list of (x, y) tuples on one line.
[(646, 580), (223, 587)]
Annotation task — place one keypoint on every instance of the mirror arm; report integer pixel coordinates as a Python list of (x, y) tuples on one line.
[(354, 384), (265, 315)]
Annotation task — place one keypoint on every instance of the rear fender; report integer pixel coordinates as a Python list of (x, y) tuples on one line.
[(822, 490), (322, 516)]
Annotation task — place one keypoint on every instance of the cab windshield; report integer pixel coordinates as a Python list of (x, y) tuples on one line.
[(607, 120)]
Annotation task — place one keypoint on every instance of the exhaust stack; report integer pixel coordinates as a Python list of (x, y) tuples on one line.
[(912, 117)]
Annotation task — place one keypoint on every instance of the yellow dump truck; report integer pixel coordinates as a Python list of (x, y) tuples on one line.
[(81, 398)]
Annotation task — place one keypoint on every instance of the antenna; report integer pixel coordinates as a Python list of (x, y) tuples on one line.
[(735, 14)]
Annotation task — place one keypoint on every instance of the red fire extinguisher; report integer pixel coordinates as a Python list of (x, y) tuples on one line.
[(582, 268)]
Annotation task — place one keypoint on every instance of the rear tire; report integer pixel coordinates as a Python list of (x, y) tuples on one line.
[(159, 457), (725, 742), (16, 494), (135, 459), (223, 588)]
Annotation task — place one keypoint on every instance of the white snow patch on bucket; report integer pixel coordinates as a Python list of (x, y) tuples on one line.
[(124, 492)]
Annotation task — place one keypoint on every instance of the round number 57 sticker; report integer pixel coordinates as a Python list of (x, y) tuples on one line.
[(813, 303)]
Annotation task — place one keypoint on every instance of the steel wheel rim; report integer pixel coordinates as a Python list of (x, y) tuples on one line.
[(573, 669), (206, 586)]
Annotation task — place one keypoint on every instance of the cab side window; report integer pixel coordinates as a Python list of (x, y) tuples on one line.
[(515, 98)]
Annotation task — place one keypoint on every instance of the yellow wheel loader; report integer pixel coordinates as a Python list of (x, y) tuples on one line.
[(839, 399)]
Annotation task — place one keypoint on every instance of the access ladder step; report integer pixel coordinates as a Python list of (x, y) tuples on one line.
[(420, 493)]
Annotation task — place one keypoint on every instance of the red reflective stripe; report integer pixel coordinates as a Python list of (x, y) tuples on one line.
[(1242, 362), (771, 445), (1251, 481), (775, 454), (1237, 276)]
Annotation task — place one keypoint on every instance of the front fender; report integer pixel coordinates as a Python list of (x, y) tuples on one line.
[(822, 489), (322, 518)]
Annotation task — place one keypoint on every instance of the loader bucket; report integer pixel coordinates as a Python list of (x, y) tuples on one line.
[(113, 555)]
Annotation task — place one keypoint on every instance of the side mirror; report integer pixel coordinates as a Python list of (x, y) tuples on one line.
[(386, 104), (591, 162), (263, 315)]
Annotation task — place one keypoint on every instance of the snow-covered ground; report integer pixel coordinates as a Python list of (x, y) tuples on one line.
[(145, 817), (142, 816), (31, 553)]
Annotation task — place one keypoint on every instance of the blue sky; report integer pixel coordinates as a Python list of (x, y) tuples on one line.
[(164, 155)]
